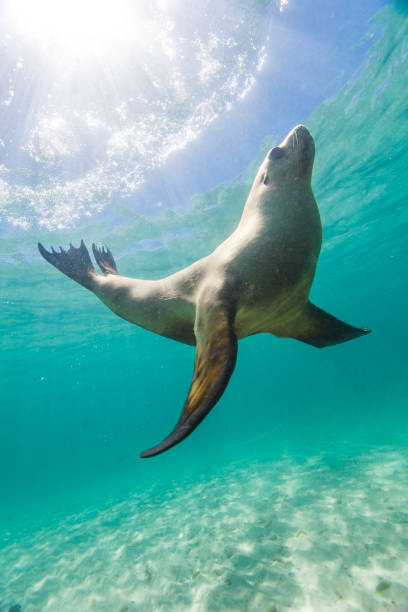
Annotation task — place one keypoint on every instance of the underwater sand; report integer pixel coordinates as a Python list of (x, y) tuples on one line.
[(328, 534)]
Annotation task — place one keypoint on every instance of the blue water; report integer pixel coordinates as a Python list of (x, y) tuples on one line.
[(292, 493)]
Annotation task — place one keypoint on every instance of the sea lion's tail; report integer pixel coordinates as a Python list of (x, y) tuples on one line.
[(75, 263)]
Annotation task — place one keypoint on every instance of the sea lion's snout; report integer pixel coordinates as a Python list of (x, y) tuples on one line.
[(299, 139), (300, 146), (292, 160), (302, 131)]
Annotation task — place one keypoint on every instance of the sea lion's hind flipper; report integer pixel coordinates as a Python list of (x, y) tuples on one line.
[(215, 359), (321, 329), (75, 262), (104, 259)]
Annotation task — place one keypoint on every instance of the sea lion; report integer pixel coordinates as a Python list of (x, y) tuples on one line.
[(257, 281)]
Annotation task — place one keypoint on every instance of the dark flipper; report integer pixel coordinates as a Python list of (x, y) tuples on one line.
[(215, 358), (104, 259), (321, 329), (75, 263)]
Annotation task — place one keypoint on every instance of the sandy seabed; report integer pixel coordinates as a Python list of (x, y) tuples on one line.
[(272, 537)]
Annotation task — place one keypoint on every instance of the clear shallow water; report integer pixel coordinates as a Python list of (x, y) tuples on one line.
[(303, 441), (318, 533)]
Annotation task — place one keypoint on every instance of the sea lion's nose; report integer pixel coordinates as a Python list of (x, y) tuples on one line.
[(301, 130), (275, 153)]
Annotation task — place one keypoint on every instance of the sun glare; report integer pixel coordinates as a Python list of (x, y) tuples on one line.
[(75, 29)]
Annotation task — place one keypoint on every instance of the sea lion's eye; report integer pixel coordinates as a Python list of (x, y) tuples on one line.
[(275, 153)]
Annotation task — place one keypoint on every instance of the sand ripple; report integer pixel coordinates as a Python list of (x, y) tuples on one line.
[(271, 537)]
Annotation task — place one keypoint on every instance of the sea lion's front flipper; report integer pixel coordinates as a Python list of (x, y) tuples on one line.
[(321, 329), (215, 358)]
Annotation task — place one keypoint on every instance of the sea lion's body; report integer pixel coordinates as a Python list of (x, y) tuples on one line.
[(258, 280), (265, 267)]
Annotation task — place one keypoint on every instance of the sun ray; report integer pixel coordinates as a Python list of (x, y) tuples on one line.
[(77, 29)]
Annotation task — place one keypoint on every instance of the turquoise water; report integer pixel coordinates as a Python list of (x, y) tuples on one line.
[(292, 493)]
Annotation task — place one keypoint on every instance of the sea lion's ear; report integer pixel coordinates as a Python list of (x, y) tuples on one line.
[(215, 359), (265, 178), (321, 329)]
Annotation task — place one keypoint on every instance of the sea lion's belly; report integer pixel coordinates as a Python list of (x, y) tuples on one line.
[(275, 314), (268, 275)]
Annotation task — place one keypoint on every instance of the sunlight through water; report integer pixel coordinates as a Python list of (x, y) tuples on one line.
[(75, 29), (292, 495), (96, 94)]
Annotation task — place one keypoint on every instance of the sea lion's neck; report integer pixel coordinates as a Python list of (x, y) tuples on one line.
[(278, 197)]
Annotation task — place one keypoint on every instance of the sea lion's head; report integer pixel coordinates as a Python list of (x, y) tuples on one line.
[(291, 161)]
